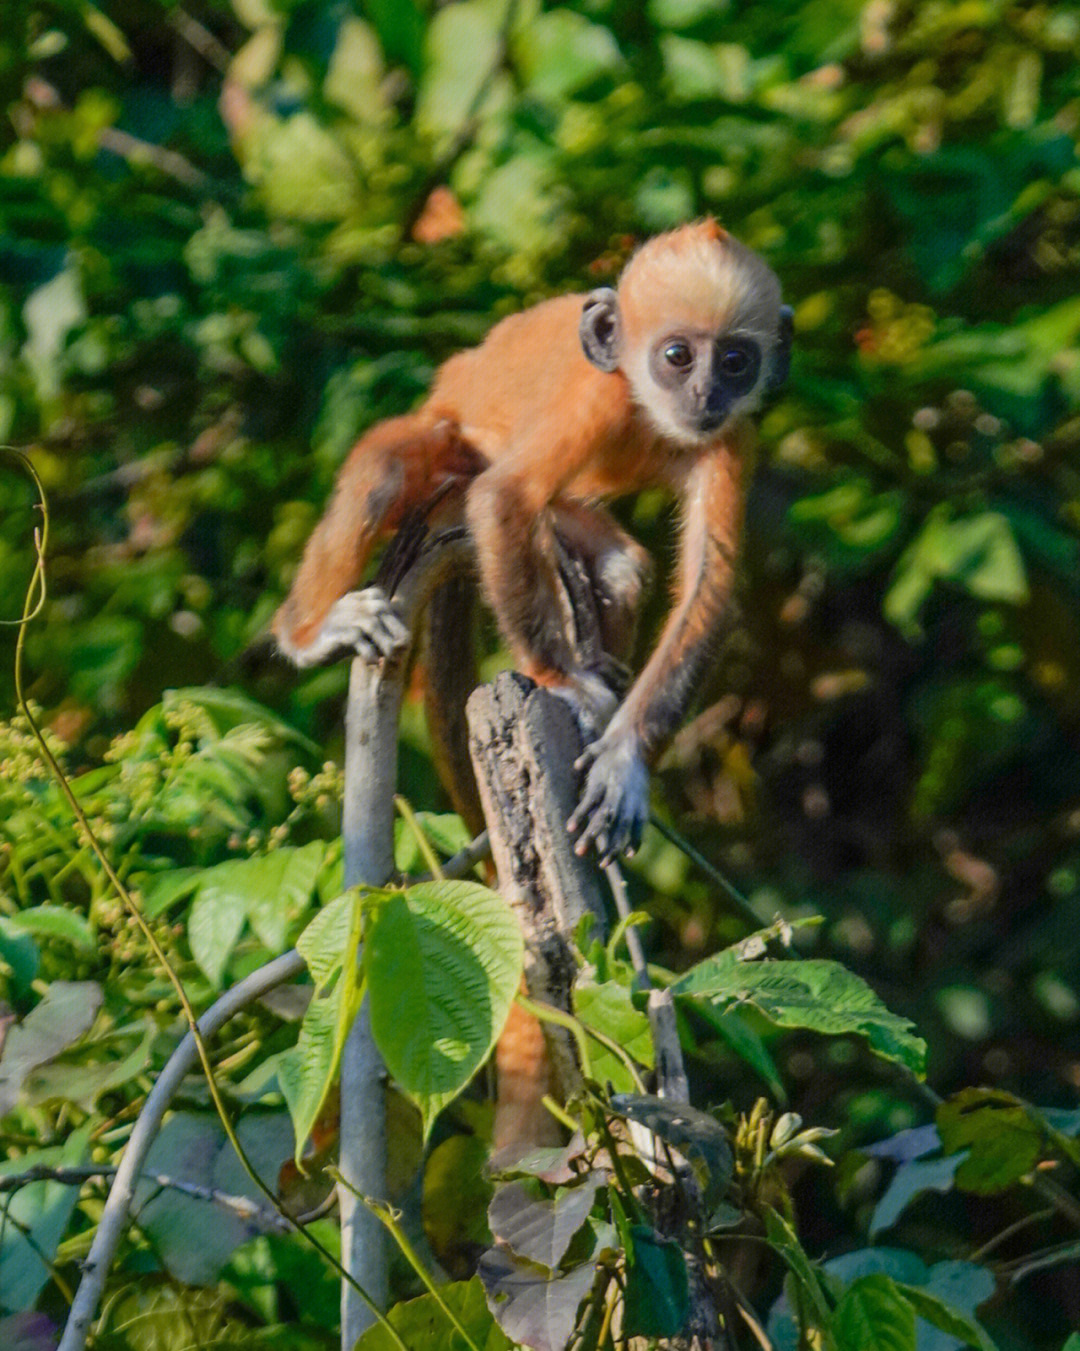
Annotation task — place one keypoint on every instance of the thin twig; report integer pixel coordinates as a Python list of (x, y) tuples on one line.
[(742, 905), (617, 883), (200, 39), (464, 861), (75, 1176)]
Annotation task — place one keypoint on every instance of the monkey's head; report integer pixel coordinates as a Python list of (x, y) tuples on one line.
[(696, 326)]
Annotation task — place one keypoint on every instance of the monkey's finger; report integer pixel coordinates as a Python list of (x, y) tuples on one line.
[(592, 797), (394, 626), (388, 642), (587, 757), (601, 809)]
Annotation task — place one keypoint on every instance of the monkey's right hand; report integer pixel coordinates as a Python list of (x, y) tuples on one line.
[(614, 806), (363, 623)]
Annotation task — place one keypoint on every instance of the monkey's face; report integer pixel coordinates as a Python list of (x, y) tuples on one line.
[(696, 327), (700, 379)]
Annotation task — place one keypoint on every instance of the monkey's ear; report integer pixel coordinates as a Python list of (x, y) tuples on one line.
[(781, 355), (601, 329)]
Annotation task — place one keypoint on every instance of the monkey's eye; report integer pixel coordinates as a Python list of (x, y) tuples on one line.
[(735, 361), (679, 354)]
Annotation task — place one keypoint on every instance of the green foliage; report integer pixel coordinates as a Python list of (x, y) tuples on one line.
[(822, 996), (233, 234), (442, 962)]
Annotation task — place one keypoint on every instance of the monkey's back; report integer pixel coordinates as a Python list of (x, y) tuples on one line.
[(529, 365)]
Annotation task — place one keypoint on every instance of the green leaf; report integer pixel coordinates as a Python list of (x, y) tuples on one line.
[(356, 76), (72, 1078), (944, 1317), (1005, 1140), (560, 52), (820, 995), (657, 1286), (872, 1315), (446, 831), (607, 1007), (680, 13), (164, 889), (961, 1286), (304, 171), (977, 553), (19, 953), (39, 1215), (215, 922), (64, 1014), (324, 942), (306, 1072), (54, 921), (461, 47), (457, 1190), (400, 25), (443, 962), (422, 1323), (269, 891), (282, 890), (785, 1241)]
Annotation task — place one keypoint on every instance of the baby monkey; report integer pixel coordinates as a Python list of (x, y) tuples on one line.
[(580, 399)]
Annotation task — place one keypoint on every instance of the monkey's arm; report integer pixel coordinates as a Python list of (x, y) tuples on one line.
[(614, 804)]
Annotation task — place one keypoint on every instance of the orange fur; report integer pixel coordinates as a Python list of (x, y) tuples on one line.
[(552, 413)]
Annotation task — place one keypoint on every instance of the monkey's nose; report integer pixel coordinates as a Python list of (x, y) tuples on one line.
[(716, 407)]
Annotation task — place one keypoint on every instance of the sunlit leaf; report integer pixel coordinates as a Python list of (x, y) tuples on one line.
[(423, 1323), (820, 995), (1003, 1138), (608, 1007), (443, 962)]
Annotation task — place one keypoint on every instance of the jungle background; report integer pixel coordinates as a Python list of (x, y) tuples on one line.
[(234, 233)]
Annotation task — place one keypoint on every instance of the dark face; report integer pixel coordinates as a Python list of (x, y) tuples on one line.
[(704, 375)]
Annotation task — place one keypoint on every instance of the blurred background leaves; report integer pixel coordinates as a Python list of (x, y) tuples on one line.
[(233, 233)]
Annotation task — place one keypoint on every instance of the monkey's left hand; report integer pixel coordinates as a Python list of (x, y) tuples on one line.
[(614, 804)]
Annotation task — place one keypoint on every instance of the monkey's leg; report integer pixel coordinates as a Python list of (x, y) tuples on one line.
[(619, 569), (512, 524), (390, 469)]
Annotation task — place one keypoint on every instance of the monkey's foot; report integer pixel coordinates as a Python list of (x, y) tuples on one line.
[(614, 806), (363, 623)]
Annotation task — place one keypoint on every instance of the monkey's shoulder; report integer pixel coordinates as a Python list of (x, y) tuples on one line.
[(545, 330), (528, 367)]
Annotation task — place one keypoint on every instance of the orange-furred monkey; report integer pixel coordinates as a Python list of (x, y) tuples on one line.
[(579, 399)]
